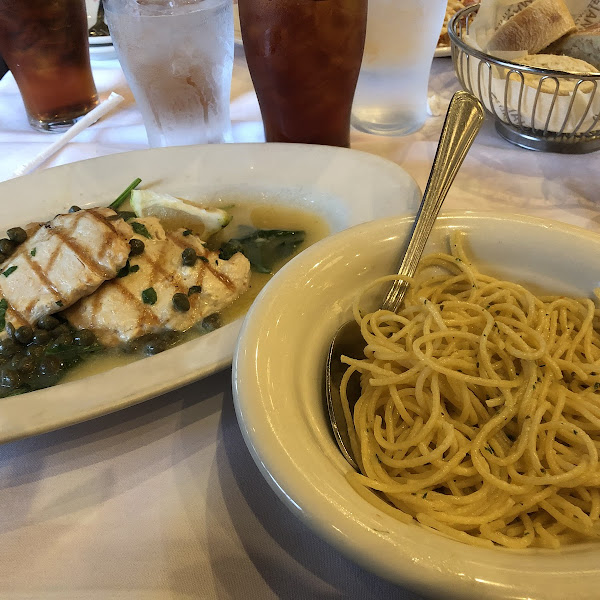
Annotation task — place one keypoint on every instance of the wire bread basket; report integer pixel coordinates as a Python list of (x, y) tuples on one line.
[(534, 108)]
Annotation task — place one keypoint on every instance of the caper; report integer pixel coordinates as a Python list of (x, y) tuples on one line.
[(74, 208), (14, 362), (8, 347), (6, 246), (85, 337), (10, 330), (189, 257), (181, 302), (24, 335), (131, 346), (26, 365), (62, 329), (154, 347), (10, 379), (17, 234), (40, 337), (48, 322), (137, 247), (49, 365), (35, 351), (64, 339)]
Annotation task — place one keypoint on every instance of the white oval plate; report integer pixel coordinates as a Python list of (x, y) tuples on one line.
[(278, 378), (345, 187)]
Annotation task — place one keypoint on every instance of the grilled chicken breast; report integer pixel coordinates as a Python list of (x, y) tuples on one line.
[(62, 261), (140, 300)]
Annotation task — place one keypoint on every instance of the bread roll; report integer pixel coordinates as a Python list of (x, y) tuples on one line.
[(452, 8), (557, 63), (583, 44), (533, 28)]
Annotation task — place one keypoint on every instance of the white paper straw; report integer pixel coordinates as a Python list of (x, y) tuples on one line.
[(83, 123)]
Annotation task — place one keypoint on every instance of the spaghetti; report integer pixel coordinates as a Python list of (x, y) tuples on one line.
[(480, 409)]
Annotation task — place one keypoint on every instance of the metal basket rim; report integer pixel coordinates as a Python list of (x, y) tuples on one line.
[(456, 40)]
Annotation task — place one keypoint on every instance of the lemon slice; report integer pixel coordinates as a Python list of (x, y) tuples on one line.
[(175, 213)]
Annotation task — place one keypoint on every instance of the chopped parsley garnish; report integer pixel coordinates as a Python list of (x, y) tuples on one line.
[(195, 289), (203, 259), (9, 271), (149, 296), (59, 303), (126, 215), (140, 229), (3, 307), (128, 269), (187, 232), (33, 252), (125, 194)]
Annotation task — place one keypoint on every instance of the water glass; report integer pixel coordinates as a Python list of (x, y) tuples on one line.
[(45, 45), (304, 58), (391, 94), (177, 56)]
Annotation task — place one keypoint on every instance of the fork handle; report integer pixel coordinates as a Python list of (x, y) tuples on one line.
[(463, 121)]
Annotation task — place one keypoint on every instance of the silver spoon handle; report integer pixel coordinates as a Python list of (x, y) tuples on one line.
[(463, 121)]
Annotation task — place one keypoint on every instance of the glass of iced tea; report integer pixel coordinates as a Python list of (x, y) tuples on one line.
[(45, 45), (304, 58)]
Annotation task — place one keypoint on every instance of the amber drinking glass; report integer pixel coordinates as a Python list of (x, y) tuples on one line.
[(45, 45), (304, 57)]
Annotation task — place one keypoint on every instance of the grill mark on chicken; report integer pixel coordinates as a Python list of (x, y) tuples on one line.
[(15, 312), (220, 276), (143, 310), (104, 248), (96, 299), (107, 238), (102, 219), (81, 254), (53, 258), (175, 278), (44, 279)]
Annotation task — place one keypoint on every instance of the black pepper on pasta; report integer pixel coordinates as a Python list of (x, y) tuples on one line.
[(480, 409)]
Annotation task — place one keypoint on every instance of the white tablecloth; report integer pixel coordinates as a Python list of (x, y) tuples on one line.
[(163, 500)]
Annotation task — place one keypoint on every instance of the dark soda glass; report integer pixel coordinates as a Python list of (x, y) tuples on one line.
[(45, 45), (304, 57)]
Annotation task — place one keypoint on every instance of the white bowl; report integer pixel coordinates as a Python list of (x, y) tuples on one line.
[(278, 378)]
